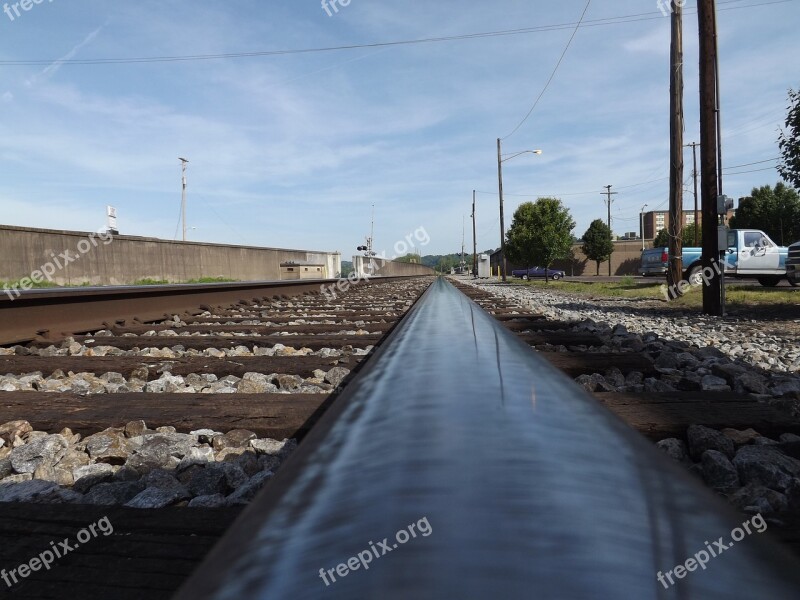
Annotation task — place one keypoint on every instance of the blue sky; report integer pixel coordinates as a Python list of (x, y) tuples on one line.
[(293, 150)]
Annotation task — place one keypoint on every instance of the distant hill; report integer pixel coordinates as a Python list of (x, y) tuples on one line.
[(444, 262)]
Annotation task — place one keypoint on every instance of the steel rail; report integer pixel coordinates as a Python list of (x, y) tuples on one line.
[(530, 488), (52, 314)]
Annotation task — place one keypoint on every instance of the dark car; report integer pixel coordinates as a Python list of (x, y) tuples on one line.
[(537, 272)]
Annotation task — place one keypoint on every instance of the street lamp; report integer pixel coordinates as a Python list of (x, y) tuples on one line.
[(184, 162), (641, 223), (500, 161)]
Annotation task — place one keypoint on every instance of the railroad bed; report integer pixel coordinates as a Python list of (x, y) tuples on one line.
[(672, 417), (198, 408), (460, 464)]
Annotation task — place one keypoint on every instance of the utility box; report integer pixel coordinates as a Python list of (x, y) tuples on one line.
[(484, 266), (291, 270)]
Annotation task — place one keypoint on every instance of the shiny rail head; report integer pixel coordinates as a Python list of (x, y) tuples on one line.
[(528, 487)]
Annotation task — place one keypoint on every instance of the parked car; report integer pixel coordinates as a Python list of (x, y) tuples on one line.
[(538, 272), (655, 261)]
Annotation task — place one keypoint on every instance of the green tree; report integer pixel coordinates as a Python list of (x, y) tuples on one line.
[(688, 235), (662, 239), (775, 211), (789, 141), (597, 243), (540, 233), (409, 258)]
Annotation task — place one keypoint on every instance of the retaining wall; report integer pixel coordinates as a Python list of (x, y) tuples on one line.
[(126, 259), (364, 266)]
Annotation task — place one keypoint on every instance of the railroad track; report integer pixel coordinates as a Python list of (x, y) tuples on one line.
[(656, 415), (257, 366), (459, 464), (105, 416)]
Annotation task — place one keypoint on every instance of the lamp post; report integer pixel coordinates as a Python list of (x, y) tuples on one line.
[(184, 162), (641, 223), (500, 161)]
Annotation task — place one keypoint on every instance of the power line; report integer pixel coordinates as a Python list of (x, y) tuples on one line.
[(752, 163), (752, 171), (553, 74), (618, 20)]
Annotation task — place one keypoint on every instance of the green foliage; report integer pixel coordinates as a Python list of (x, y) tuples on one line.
[(212, 280), (148, 281), (347, 268), (688, 235), (662, 239), (409, 258), (540, 233), (597, 243), (444, 263), (775, 211), (789, 142)]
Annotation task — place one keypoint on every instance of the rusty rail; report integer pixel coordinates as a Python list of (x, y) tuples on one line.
[(527, 487), (53, 314)]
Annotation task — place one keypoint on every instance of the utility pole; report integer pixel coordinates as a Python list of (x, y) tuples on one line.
[(502, 222), (675, 269), (608, 193), (694, 145), (463, 234), (718, 110), (712, 293), (474, 241), (184, 162), (641, 224)]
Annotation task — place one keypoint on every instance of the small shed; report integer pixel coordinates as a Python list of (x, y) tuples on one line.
[(292, 270), (484, 266)]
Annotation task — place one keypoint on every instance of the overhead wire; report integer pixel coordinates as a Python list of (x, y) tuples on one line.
[(621, 19), (553, 73)]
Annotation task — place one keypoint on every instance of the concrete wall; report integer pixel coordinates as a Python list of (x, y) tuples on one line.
[(624, 261), (364, 266), (125, 259)]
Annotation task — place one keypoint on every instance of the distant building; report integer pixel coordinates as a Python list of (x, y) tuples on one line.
[(656, 220)]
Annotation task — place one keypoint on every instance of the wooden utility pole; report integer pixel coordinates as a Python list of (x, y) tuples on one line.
[(694, 176), (675, 270), (474, 240), (712, 293), (502, 221), (608, 193)]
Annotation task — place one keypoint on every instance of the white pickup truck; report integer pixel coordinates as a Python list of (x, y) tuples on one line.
[(750, 254)]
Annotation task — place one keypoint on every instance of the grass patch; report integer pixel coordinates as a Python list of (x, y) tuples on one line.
[(200, 280), (148, 281), (627, 287), (212, 280)]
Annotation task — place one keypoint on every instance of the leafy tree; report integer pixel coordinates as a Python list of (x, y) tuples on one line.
[(688, 235), (540, 233), (597, 243), (776, 211), (409, 258), (662, 239), (789, 142)]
